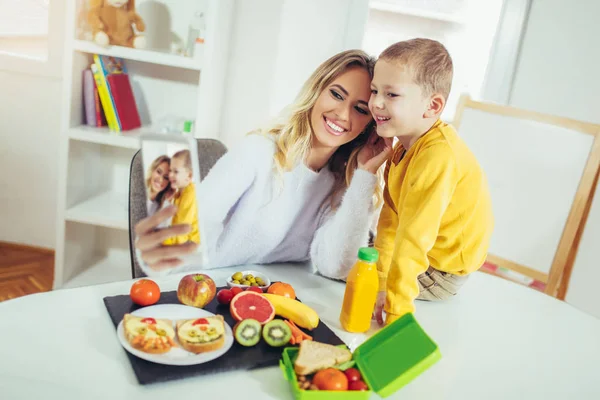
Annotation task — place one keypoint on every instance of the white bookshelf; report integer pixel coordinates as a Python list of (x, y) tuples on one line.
[(93, 225), (129, 140), (108, 209), (148, 56), (103, 269)]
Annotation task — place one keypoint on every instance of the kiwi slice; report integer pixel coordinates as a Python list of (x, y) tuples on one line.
[(276, 333), (247, 332)]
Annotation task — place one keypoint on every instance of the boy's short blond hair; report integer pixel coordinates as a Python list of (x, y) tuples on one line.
[(184, 155), (429, 62)]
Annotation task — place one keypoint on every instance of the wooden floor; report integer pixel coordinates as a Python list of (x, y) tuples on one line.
[(24, 270)]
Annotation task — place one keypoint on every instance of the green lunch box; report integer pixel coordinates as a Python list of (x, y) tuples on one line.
[(387, 361)]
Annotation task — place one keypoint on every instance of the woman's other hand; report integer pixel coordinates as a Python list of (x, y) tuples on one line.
[(149, 241), (374, 153)]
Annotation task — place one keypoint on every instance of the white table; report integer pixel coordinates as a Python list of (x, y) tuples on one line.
[(498, 340)]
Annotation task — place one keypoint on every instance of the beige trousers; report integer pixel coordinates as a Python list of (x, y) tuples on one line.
[(435, 285)]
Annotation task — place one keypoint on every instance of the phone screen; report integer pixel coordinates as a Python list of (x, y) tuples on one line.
[(171, 177)]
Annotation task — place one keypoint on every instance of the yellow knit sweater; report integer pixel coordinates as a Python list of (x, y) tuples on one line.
[(187, 213), (437, 212)]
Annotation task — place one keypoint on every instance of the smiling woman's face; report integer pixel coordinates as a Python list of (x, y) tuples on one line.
[(341, 111), (160, 177)]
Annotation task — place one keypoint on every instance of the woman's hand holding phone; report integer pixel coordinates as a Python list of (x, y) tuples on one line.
[(149, 241)]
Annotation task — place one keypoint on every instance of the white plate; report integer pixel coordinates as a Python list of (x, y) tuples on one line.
[(177, 355)]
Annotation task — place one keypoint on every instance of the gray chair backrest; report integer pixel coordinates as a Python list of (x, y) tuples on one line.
[(209, 151)]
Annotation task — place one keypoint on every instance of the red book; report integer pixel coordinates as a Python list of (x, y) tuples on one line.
[(125, 106), (121, 93)]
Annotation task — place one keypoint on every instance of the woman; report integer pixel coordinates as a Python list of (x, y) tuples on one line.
[(157, 184), (301, 189)]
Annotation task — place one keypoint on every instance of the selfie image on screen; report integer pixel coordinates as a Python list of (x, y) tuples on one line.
[(169, 179)]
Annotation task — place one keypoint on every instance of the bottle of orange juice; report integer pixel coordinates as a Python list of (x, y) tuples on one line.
[(361, 292)]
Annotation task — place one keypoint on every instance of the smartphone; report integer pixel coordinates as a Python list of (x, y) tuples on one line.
[(172, 177)]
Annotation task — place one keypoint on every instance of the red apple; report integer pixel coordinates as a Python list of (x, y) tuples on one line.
[(196, 290)]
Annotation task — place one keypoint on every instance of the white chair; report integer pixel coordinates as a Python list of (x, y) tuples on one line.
[(541, 171)]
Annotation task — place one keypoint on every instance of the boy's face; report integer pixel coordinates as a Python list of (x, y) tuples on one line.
[(179, 175), (397, 102)]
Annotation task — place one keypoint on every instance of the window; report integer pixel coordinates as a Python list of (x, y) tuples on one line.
[(465, 27), (32, 36), (24, 28)]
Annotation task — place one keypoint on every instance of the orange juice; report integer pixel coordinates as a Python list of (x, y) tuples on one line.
[(361, 292)]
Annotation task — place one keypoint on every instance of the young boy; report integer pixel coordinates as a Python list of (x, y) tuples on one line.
[(180, 176), (436, 222)]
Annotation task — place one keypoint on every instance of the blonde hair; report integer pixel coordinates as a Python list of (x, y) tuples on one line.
[(159, 160), (293, 134), (429, 62), (184, 155)]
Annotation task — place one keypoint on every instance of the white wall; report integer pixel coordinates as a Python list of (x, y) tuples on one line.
[(558, 68), (310, 32), (583, 290), (468, 42), (557, 73), (29, 134), (251, 64), (275, 47)]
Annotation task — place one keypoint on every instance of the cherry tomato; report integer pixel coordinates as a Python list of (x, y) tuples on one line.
[(330, 379), (149, 320), (200, 321), (254, 289), (358, 385), (224, 296), (236, 290), (144, 292), (353, 375)]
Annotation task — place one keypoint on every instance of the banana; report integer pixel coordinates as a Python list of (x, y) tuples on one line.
[(301, 314)]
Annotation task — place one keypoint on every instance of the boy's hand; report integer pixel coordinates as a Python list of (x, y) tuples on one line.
[(378, 311), (374, 153)]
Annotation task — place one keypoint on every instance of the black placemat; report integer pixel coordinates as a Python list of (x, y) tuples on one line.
[(238, 357)]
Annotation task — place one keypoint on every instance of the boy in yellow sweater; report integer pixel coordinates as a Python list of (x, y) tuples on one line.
[(180, 176), (436, 222)]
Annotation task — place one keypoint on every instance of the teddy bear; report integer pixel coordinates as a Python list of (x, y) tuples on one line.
[(112, 22)]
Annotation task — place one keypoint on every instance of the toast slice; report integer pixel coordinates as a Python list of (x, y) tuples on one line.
[(149, 335), (314, 356), (201, 335)]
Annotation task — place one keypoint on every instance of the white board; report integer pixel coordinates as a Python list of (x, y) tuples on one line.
[(533, 171)]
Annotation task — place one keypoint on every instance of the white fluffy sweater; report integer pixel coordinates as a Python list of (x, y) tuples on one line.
[(251, 214)]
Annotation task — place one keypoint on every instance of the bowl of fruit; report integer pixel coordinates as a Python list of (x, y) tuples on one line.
[(246, 279)]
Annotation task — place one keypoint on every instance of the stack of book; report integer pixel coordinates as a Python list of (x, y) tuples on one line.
[(108, 96)]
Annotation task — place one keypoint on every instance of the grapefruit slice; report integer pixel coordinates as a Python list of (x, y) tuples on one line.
[(250, 304)]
